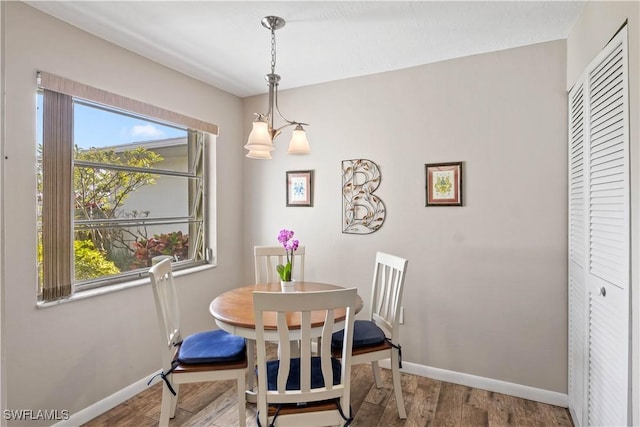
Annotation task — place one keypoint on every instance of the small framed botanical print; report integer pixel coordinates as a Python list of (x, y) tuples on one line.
[(300, 188), (443, 184)]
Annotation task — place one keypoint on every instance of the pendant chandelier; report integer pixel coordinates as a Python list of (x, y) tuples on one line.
[(260, 142)]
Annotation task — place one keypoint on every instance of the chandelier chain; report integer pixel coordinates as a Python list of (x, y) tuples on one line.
[(273, 51)]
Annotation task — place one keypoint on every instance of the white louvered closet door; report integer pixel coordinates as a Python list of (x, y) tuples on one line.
[(577, 250), (599, 306), (599, 240), (608, 216)]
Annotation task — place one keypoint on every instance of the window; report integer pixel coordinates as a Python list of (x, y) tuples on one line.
[(115, 190)]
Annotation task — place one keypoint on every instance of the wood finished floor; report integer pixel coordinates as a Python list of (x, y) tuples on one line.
[(428, 403)]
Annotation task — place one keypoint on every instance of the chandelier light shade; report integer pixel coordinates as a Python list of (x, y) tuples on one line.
[(258, 154), (299, 143), (260, 137), (260, 141)]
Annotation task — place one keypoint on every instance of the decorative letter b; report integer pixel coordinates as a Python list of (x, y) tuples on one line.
[(362, 212)]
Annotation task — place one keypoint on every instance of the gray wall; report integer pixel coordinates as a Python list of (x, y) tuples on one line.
[(486, 289), (597, 24), (75, 354)]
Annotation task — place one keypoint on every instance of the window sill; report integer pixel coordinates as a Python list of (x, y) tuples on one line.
[(117, 287)]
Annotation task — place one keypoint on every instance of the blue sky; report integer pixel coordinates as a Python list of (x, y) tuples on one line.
[(98, 128)]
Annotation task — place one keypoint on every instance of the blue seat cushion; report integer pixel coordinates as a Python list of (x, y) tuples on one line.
[(365, 333), (293, 381), (216, 346)]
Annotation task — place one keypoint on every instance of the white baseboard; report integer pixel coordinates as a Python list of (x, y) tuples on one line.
[(497, 386), (512, 389), (102, 406)]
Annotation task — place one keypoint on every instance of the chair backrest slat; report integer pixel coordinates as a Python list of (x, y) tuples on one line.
[(285, 352)]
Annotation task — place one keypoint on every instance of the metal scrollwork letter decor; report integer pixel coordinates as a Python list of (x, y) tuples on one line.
[(362, 212)]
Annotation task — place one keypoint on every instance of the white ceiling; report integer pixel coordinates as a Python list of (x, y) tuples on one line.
[(224, 44)]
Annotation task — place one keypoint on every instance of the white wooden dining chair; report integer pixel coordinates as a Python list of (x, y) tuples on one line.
[(206, 356), (268, 257), (378, 337), (310, 390)]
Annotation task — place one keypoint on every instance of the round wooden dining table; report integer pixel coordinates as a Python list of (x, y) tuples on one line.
[(233, 310)]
